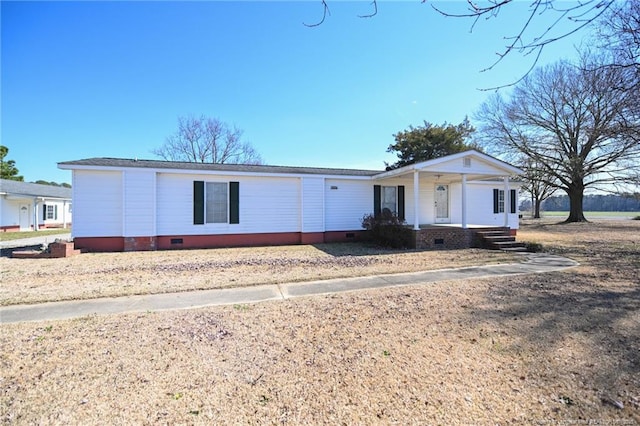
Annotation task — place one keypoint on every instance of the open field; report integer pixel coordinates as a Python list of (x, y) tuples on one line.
[(557, 348), (588, 215)]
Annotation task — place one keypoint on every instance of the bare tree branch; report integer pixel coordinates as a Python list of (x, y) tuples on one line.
[(583, 13), (374, 3), (325, 12)]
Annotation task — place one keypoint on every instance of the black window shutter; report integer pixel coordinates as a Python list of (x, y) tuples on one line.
[(401, 202), (512, 198), (234, 202), (55, 212), (198, 202), (44, 212), (377, 190), (496, 209)]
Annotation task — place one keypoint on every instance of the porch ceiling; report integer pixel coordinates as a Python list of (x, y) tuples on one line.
[(442, 177)]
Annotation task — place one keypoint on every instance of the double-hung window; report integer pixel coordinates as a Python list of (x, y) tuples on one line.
[(499, 201), (216, 202), (49, 212), (389, 200)]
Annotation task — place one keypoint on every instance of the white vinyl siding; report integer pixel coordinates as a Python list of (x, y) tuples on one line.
[(216, 202), (97, 204), (267, 204), (346, 205), (313, 204), (139, 198)]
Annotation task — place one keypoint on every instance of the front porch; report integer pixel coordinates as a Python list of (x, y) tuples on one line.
[(464, 191)]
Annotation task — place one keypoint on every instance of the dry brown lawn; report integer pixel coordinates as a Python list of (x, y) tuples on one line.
[(119, 274), (556, 348)]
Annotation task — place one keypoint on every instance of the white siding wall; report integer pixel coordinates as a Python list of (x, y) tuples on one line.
[(345, 206), (427, 204), (313, 190), (267, 204), (455, 203), (97, 204), (480, 206), (10, 212), (139, 203)]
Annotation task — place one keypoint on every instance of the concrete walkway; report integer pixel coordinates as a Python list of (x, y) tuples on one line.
[(532, 263)]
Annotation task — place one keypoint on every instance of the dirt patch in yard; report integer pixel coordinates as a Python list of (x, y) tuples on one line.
[(556, 348), (118, 274)]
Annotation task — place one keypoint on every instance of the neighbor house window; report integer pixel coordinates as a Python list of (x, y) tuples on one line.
[(50, 212), (389, 199), (216, 202)]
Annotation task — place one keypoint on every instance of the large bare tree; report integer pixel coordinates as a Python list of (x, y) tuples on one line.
[(207, 140), (580, 124), (619, 34)]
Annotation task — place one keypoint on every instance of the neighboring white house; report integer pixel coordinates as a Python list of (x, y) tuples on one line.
[(30, 206), (122, 204)]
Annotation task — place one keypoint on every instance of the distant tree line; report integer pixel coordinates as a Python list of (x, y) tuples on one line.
[(592, 203), (52, 183)]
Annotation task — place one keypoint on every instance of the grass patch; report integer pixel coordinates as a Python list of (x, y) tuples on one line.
[(11, 236)]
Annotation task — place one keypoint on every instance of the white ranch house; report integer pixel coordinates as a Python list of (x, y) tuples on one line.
[(124, 204), (28, 206)]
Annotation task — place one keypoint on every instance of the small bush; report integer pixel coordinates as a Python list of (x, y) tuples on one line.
[(636, 218), (533, 247), (388, 230)]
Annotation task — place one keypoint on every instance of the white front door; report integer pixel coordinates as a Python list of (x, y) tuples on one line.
[(442, 204), (24, 217)]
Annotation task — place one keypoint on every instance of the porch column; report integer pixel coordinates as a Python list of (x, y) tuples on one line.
[(464, 201), (507, 202), (416, 200), (35, 214), (64, 214)]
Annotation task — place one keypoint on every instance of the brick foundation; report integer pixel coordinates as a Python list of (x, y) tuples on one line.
[(140, 243), (448, 238)]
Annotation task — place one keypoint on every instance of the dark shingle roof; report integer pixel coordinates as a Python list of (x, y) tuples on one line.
[(246, 168), (34, 189)]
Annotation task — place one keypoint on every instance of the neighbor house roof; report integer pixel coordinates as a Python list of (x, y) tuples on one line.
[(119, 163), (14, 187)]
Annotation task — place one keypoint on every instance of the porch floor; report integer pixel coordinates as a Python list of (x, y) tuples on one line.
[(457, 225)]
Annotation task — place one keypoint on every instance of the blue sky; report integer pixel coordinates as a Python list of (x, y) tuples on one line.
[(109, 79)]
